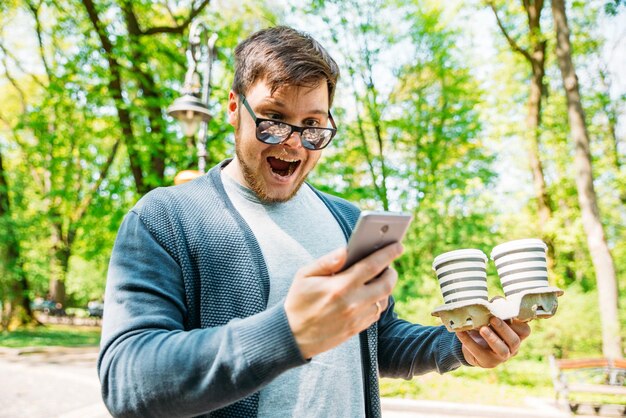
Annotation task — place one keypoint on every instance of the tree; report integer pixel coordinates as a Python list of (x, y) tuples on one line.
[(535, 56), (361, 35), (17, 302), (410, 129), (148, 168), (84, 130), (601, 256)]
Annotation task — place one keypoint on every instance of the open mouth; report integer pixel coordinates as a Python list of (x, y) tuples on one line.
[(283, 167)]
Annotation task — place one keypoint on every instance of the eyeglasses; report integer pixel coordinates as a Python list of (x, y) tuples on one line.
[(274, 132)]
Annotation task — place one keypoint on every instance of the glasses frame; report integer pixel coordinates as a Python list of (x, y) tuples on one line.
[(300, 129)]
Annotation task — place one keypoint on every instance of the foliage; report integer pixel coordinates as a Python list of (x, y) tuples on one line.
[(507, 386), (427, 125), (411, 133), (84, 132)]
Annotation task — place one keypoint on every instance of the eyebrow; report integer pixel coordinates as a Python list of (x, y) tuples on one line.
[(279, 103)]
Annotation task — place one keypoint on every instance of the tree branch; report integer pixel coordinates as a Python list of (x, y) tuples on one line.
[(510, 40), (14, 84), (84, 204), (35, 11), (18, 64), (179, 28), (18, 141), (115, 87)]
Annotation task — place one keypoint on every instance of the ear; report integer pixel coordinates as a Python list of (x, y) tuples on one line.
[(233, 109)]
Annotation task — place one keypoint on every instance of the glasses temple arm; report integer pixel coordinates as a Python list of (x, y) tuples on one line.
[(247, 105), (332, 121)]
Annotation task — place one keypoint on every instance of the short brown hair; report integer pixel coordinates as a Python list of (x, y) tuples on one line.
[(283, 56)]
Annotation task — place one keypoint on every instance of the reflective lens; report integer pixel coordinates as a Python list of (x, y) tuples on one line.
[(274, 132), (271, 132), (318, 138)]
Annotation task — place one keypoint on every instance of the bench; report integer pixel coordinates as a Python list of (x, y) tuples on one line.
[(590, 376)]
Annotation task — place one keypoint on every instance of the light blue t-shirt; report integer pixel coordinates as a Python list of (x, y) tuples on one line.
[(292, 234)]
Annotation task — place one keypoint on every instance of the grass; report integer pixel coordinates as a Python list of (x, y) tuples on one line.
[(507, 385), (51, 335)]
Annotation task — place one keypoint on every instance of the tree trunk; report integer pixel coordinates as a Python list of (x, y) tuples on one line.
[(59, 263), (596, 240), (537, 60), (115, 89), (533, 122), (147, 172), (18, 299), (380, 190), (536, 57), (611, 112), (140, 68)]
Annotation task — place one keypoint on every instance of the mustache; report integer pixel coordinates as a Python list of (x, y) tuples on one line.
[(284, 153)]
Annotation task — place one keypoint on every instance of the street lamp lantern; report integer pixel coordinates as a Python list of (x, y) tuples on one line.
[(190, 111), (192, 108)]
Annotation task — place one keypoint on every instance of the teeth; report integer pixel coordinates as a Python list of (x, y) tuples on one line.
[(295, 160)]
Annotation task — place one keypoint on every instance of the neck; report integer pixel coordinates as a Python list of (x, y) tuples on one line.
[(233, 170)]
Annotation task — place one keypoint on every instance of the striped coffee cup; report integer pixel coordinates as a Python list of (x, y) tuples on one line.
[(521, 265), (462, 275)]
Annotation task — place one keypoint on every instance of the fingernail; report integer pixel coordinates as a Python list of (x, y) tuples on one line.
[(496, 322)]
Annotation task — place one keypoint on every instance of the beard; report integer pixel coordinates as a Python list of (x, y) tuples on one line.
[(255, 182)]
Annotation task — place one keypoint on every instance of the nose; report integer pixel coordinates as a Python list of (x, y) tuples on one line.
[(294, 140)]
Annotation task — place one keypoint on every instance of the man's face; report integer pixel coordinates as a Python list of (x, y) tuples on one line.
[(275, 172)]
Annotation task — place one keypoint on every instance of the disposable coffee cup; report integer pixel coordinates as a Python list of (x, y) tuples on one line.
[(521, 265), (462, 275)]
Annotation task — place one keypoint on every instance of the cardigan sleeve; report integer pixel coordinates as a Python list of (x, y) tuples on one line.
[(150, 366), (406, 350)]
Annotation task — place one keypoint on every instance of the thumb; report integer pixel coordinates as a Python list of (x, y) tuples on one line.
[(326, 265)]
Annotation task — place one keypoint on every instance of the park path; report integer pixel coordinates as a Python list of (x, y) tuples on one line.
[(62, 383), (53, 382)]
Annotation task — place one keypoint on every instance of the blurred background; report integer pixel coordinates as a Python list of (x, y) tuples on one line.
[(454, 111)]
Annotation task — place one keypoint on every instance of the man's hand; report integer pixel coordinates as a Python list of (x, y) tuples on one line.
[(493, 345), (325, 308)]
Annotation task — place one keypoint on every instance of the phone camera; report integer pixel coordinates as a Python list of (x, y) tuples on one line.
[(384, 229)]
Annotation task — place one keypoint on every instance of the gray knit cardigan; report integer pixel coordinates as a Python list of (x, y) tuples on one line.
[(186, 331)]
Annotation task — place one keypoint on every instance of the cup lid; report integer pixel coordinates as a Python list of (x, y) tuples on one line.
[(519, 244), (463, 253)]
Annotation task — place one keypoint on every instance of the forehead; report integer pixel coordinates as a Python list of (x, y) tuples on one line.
[(262, 91)]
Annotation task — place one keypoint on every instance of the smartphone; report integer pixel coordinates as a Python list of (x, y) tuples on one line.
[(375, 230)]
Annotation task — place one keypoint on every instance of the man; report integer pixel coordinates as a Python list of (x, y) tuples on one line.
[(225, 295)]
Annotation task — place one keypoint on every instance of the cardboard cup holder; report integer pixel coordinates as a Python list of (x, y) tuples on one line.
[(523, 273)]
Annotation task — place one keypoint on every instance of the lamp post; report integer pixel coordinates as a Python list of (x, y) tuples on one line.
[(192, 108)]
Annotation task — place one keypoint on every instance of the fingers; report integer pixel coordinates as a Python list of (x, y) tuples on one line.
[(372, 265), (522, 329), (324, 311), (375, 310), (498, 346), (500, 341), (505, 341), (379, 309), (326, 265), (469, 357), (474, 353), (380, 288), (372, 300), (381, 305)]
